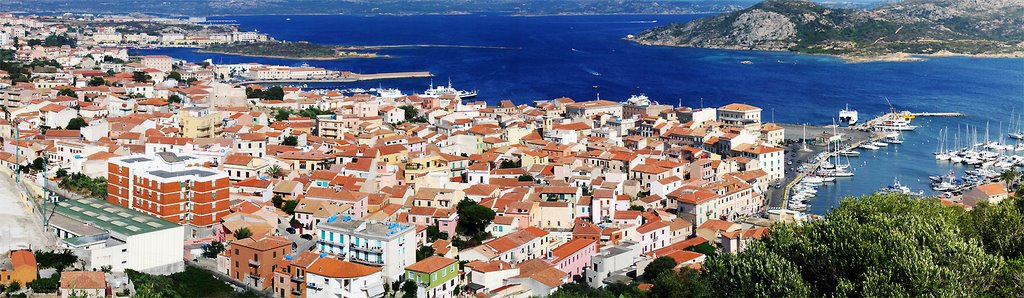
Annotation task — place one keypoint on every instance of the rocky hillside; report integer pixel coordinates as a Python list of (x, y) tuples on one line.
[(974, 27)]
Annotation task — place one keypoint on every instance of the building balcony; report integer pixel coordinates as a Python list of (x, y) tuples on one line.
[(254, 263), (366, 248), (296, 292), (298, 278), (366, 262)]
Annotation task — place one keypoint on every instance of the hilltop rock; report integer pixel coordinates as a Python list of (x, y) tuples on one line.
[(981, 27)]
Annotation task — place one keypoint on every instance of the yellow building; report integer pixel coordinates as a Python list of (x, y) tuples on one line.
[(200, 122)]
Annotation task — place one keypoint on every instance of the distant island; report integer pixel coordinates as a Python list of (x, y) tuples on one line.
[(287, 50), (377, 7), (893, 32)]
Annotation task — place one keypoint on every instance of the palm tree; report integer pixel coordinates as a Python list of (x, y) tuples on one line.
[(1010, 177), (275, 171)]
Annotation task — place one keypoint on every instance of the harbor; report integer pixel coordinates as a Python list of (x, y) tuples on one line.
[(827, 163)]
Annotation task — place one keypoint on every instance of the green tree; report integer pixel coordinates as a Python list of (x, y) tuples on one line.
[(636, 208), (998, 227), (289, 206), (45, 285), (473, 221), (97, 81), (242, 233), (213, 249), (14, 286), (878, 245), (61, 173), (290, 141), (76, 123), (174, 98), (67, 92), (434, 233), (275, 171), (37, 164), (686, 283), (277, 200), (424, 252), (174, 75), (410, 112), (525, 177), (409, 289), (282, 115), (1012, 179), (141, 77), (659, 266)]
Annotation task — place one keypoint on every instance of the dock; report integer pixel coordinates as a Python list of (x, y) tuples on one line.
[(347, 77), (906, 115)]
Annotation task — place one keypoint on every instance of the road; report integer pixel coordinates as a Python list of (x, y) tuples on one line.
[(19, 227)]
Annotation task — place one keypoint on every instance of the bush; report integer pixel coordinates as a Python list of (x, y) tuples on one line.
[(55, 260), (45, 285)]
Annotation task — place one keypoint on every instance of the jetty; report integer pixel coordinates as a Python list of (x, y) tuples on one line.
[(905, 115), (346, 77)]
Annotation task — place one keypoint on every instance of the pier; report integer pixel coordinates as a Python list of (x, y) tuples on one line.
[(905, 115), (346, 77)]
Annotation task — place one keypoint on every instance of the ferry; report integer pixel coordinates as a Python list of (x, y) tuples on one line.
[(439, 90), (640, 100), (848, 116)]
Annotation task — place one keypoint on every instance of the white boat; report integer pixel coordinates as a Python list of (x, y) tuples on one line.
[(813, 180), (893, 138), (440, 90), (869, 146), (880, 144), (850, 153), (389, 93), (895, 125), (848, 116)]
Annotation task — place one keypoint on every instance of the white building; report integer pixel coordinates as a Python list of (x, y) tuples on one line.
[(104, 234), (332, 278), (375, 243), (616, 260)]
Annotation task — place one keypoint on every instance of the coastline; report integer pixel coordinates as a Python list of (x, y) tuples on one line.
[(318, 58), (855, 58), (909, 57)]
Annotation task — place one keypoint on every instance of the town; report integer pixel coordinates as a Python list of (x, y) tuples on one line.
[(138, 167)]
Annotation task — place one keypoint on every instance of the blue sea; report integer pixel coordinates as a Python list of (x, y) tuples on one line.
[(586, 57)]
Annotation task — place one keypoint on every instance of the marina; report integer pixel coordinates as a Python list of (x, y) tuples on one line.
[(942, 154)]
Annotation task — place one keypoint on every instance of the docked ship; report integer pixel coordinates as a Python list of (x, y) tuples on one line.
[(848, 116), (439, 90)]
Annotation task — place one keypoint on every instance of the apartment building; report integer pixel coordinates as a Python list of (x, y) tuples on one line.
[(169, 186), (158, 62), (200, 122), (374, 243), (253, 260)]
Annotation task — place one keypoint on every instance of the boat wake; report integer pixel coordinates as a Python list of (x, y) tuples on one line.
[(578, 51), (591, 71)]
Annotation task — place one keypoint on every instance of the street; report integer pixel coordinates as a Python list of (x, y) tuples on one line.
[(19, 227)]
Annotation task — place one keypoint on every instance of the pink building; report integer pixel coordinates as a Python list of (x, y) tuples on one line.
[(444, 218), (573, 256)]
